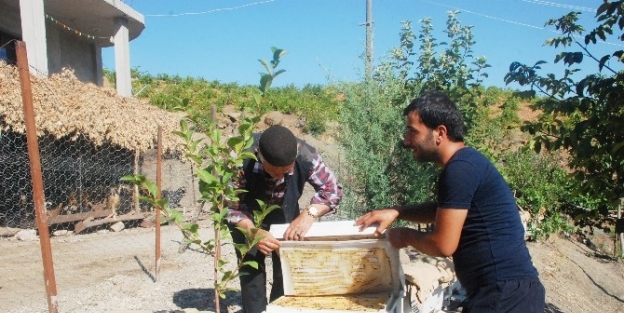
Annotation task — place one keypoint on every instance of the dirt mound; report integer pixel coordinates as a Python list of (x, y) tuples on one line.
[(576, 278)]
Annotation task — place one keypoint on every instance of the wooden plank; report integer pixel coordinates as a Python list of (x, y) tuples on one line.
[(96, 212), (148, 222), (82, 225), (329, 231)]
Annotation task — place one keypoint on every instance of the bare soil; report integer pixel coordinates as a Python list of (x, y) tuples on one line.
[(114, 272)]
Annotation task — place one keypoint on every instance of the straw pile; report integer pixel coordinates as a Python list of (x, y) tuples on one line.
[(66, 106)]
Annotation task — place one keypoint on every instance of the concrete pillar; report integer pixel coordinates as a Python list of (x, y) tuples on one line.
[(122, 57), (34, 35), (99, 73)]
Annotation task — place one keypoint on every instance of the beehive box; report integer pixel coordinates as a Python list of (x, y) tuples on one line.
[(339, 269)]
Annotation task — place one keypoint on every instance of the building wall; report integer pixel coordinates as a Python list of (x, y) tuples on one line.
[(9, 30), (66, 49), (10, 21)]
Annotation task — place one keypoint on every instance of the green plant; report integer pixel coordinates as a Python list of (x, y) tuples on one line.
[(553, 224), (219, 161), (582, 116), (266, 79), (541, 187), (313, 103), (381, 173), (110, 76)]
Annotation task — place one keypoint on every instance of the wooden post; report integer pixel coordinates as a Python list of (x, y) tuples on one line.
[(135, 194), (621, 233), (158, 190), (37, 179)]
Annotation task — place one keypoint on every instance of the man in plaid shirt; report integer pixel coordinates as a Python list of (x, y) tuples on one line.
[(284, 164)]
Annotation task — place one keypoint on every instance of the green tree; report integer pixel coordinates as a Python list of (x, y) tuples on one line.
[(380, 172), (583, 115), (219, 160)]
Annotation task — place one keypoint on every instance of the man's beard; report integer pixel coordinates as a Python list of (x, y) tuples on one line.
[(425, 156), (426, 151)]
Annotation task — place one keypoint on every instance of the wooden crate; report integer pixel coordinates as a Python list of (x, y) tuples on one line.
[(339, 269)]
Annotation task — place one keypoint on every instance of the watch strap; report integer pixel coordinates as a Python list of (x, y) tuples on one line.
[(310, 213)]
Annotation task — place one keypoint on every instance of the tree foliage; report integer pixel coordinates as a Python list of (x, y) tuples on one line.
[(583, 115), (381, 172), (219, 161)]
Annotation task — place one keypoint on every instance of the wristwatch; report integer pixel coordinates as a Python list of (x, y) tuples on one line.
[(313, 211)]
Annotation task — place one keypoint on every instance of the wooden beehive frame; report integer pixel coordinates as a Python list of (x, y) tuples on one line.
[(335, 270)]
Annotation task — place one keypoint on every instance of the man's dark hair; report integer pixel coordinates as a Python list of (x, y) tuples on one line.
[(278, 146), (435, 109)]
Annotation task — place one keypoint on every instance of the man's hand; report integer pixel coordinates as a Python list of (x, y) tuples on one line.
[(268, 243), (299, 227), (383, 217)]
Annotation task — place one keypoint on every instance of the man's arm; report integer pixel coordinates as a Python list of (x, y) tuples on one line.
[(327, 196), (441, 241), (328, 192), (418, 213)]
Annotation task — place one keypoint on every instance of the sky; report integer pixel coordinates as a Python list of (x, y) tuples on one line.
[(325, 39)]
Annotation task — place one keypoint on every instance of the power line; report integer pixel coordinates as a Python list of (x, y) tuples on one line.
[(484, 15), (519, 23), (211, 11), (560, 5)]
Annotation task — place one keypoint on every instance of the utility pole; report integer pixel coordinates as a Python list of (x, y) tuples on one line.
[(369, 39)]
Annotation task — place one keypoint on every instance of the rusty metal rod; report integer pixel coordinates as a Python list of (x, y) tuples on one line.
[(159, 188), (35, 173)]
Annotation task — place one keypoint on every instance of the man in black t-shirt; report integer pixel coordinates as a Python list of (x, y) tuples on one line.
[(476, 218)]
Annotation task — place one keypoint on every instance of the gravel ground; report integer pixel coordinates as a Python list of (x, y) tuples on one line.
[(111, 272), (114, 273)]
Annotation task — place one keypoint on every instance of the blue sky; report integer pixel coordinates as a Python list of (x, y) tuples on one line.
[(223, 39)]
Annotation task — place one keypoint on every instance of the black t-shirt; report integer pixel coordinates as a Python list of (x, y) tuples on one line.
[(492, 246)]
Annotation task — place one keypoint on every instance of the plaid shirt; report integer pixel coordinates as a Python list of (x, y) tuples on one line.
[(328, 190)]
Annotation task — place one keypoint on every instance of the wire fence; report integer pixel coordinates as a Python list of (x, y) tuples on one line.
[(80, 178), (84, 196)]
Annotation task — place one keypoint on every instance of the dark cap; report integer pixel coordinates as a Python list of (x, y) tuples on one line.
[(278, 146)]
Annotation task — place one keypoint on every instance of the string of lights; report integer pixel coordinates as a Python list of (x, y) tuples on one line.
[(71, 29)]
